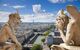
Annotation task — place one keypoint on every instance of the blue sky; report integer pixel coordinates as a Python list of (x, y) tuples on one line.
[(42, 10)]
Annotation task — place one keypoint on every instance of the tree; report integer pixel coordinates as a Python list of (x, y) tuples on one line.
[(43, 40), (46, 33), (36, 47)]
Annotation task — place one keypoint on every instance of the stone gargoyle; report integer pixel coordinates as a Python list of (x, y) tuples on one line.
[(72, 24)]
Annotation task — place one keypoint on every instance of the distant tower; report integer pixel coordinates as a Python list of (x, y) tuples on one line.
[(33, 19), (17, 10)]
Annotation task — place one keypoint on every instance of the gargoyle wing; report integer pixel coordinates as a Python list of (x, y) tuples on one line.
[(73, 11)]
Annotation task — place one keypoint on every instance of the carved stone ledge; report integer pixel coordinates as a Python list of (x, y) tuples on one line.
[(64, 47)]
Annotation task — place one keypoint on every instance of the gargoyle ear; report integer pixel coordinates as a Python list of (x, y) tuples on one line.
[(73, 11)]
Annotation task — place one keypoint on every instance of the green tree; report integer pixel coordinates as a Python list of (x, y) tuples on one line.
[(46, 33), (43, 40), (36, 47)]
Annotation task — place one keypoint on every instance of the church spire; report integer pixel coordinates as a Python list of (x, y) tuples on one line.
[(17, 10)]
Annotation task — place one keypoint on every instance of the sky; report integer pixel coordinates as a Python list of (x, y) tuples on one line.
[(34, 10)]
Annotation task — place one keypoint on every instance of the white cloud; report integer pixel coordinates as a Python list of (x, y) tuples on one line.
[(44, 17), (18, 6), (36, 8), (27, 18), (61, 1), (57, 1), (40, 17), (4, 16), (5, 4), (43, 10), (14, 6)]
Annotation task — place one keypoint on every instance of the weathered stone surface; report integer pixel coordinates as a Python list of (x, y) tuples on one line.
[(72, 38), (70, 47)]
